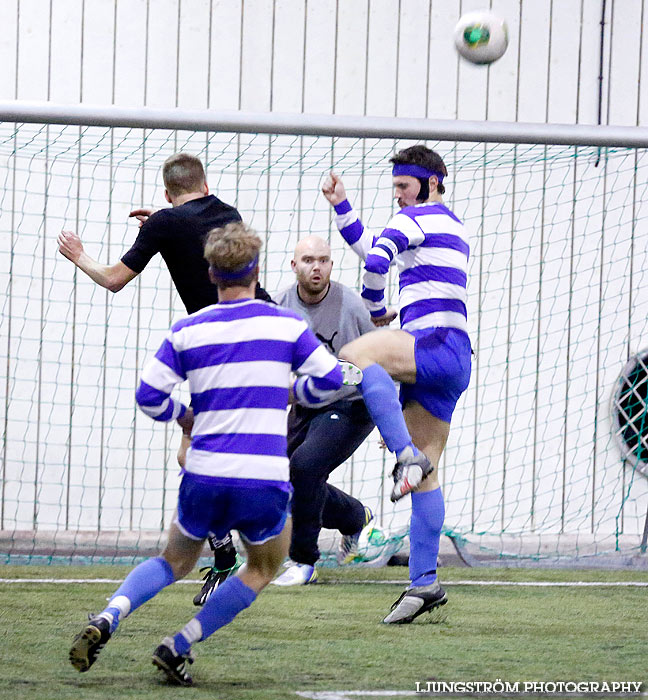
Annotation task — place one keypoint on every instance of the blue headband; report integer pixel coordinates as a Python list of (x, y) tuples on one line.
[(236, 274), (415, 171)]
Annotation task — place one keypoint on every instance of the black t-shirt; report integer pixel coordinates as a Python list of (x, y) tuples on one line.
[(178, 234)]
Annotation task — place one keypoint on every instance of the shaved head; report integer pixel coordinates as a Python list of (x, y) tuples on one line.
[(312, 266), (312, 245)]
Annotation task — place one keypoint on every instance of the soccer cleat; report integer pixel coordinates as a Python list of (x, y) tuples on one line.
[(414, 602), (226, 562), (174, 665), (213, 579), (352, 375), (297, 575), (348, 547), (89, 642), (409, 472)]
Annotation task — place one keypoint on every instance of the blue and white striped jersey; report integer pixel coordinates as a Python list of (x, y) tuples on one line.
[(428, 243), (237, 357)]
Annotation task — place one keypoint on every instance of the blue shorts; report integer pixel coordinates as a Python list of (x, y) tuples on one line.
[(209, 507), (443, 357)]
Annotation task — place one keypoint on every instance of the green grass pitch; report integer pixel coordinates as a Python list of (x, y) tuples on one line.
[(328, 637)]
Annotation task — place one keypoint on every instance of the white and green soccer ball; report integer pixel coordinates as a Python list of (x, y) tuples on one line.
[(371, 543), (481, 37)]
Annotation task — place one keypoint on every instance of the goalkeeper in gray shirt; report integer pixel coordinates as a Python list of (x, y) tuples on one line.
[(321, 439)]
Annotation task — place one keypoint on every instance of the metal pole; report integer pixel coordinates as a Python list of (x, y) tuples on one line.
[(418, 129)]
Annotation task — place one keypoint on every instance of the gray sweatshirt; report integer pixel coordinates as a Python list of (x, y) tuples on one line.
[(338, 319)]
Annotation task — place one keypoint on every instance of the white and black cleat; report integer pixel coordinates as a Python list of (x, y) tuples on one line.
[(409, 472), (174, 665), (89, 642), (414, 602)]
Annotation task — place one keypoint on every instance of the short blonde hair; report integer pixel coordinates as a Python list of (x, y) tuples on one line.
[(231, 249), (183, 173)]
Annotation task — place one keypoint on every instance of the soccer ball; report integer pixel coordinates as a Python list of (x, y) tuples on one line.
[(371, 543), (481, 37)]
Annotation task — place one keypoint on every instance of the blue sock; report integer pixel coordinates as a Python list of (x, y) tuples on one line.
[(144, 581), (428, 513), (224, 604), (381, 398)]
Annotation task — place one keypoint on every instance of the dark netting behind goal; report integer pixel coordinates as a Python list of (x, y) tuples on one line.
[(558, 303)]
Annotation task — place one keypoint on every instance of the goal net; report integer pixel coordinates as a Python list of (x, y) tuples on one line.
[(546, 460)]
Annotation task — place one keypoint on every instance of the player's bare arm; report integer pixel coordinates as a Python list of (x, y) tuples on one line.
[(111, 277)]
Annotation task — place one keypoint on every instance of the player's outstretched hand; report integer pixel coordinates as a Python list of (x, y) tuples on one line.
[(70, 245), (142, 215), (385, 319), (333, 189)]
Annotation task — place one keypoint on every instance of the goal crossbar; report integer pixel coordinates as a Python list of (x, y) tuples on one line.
[(325, 125)]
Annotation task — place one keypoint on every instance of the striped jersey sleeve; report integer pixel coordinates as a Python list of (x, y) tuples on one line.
[(352, 229), (320, 371), (159, 377)]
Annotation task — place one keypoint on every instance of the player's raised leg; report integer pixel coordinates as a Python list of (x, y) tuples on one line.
[(382, 355)]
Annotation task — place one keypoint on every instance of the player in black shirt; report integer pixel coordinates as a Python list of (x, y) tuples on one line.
[(178, 234)]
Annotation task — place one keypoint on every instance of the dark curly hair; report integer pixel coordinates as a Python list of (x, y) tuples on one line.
[(426, 158)]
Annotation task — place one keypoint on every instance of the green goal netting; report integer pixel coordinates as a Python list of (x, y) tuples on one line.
[(546, 460)]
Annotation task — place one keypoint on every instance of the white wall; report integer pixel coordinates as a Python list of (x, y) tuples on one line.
[(376, 57)]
